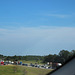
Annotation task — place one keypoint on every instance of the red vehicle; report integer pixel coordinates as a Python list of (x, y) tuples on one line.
[(2, 63)]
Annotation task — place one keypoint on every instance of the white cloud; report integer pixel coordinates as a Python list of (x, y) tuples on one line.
[(34, 40)]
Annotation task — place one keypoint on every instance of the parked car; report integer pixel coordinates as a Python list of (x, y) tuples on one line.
[(25, 64), (5, 63)]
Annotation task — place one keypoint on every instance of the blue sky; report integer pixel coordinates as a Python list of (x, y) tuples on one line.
[(36, 27)]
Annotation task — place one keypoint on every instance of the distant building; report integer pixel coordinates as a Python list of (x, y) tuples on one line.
[(68, 68), (49, 63)]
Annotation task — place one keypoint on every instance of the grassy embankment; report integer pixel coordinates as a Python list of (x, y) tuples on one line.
[(22, 70)]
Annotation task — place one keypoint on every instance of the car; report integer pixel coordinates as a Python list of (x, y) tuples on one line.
[(25, 64)]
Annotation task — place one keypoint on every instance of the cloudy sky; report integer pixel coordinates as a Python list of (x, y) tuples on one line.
[(36, 27)]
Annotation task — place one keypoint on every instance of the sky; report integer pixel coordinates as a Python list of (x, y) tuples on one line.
[(36, 27)]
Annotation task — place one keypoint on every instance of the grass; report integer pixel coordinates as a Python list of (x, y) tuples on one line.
[(9, 70), (37, 71), (22, 70), (32, 61)]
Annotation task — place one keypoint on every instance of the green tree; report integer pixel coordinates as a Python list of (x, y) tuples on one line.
[(64, 55)]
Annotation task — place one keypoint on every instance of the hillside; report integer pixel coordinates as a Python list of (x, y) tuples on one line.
[(21, 70)]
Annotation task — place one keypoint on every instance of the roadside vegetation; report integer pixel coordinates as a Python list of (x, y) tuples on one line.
[(22, 70)]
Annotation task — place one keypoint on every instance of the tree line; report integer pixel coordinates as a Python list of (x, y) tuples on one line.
[(26, 58), (61, 57)]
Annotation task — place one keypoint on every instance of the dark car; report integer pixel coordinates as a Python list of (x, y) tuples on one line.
[(25, 64)]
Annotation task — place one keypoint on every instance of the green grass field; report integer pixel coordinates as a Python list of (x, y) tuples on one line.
[(33, 62), (22, 70)]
